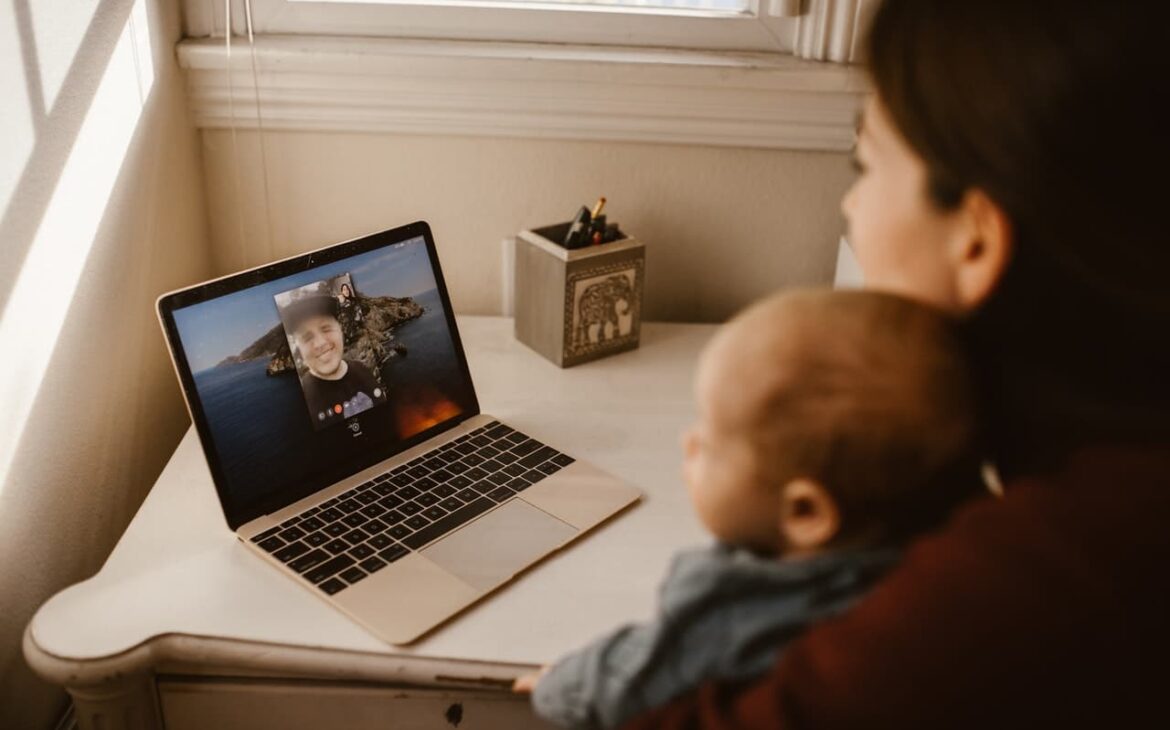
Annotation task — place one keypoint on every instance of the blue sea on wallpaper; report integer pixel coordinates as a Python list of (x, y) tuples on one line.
[(258, 421)]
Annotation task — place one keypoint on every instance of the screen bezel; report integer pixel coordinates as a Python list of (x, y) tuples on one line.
[(238, 512)]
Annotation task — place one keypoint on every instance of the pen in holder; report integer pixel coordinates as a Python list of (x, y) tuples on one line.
[(579, 304)]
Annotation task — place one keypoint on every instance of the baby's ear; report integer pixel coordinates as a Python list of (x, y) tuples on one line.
[(809, 517)]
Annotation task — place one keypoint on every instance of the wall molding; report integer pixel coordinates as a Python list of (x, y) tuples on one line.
[(832, 30), (523, 90)]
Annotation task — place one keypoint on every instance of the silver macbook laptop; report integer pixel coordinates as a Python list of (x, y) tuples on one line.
[(336, 410)]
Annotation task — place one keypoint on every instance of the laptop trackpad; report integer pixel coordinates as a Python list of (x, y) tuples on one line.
[(500, 544)]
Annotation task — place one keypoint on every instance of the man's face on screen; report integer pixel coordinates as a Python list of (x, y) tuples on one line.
[(321, 344)]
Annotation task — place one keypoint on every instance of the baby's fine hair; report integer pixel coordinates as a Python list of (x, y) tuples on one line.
[(870, 395)]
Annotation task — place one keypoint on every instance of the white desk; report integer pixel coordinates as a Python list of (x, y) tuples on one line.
[(183, 626)]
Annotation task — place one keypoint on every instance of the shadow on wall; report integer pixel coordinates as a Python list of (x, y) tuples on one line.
[(98, 165)]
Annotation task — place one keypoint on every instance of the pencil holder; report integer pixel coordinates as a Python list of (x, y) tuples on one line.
[(579, 305)]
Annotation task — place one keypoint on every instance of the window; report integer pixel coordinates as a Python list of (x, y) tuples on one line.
[(737, 25)]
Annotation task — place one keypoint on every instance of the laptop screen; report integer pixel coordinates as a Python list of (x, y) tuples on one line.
[(307, 371)]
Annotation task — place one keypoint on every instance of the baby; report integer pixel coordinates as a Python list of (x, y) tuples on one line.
[(832, 428)]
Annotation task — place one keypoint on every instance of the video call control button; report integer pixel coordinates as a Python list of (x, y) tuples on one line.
[(328, 568)]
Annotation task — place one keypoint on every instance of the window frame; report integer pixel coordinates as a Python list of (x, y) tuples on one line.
[(753, 31)]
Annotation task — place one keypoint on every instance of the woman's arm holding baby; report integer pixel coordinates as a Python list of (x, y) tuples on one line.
[(1000, 620)]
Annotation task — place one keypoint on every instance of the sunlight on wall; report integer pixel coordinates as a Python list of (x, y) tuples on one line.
[(58, 31), (35, 313), (16, 123)]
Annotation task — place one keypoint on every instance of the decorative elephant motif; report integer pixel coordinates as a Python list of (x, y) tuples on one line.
[(599, 305)]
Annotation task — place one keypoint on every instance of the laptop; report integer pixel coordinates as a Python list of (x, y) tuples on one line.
[(334, 404)]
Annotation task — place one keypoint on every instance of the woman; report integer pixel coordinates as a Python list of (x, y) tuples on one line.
[(348, 304), (1003, 164)]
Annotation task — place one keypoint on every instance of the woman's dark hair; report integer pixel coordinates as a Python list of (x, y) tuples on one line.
[(1049, 107), (346, 290)]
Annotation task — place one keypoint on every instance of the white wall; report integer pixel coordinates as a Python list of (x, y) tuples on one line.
[(101, 209), (722, 225)]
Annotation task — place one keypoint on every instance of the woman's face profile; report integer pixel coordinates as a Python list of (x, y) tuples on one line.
[(901, 239)]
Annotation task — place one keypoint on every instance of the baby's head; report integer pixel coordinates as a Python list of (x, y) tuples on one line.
[(827, 418)]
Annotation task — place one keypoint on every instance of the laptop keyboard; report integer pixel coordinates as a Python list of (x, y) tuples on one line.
[(346, 538)]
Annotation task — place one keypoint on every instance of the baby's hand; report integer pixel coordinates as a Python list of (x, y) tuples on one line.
[(524, 684)]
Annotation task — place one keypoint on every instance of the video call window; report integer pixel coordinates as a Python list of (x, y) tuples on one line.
[(326, 331)]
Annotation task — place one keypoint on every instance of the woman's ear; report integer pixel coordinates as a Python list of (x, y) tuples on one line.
[(982, 249), (809, 517)]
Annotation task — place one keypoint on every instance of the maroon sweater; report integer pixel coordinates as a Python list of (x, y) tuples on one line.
[(1048, 608)]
